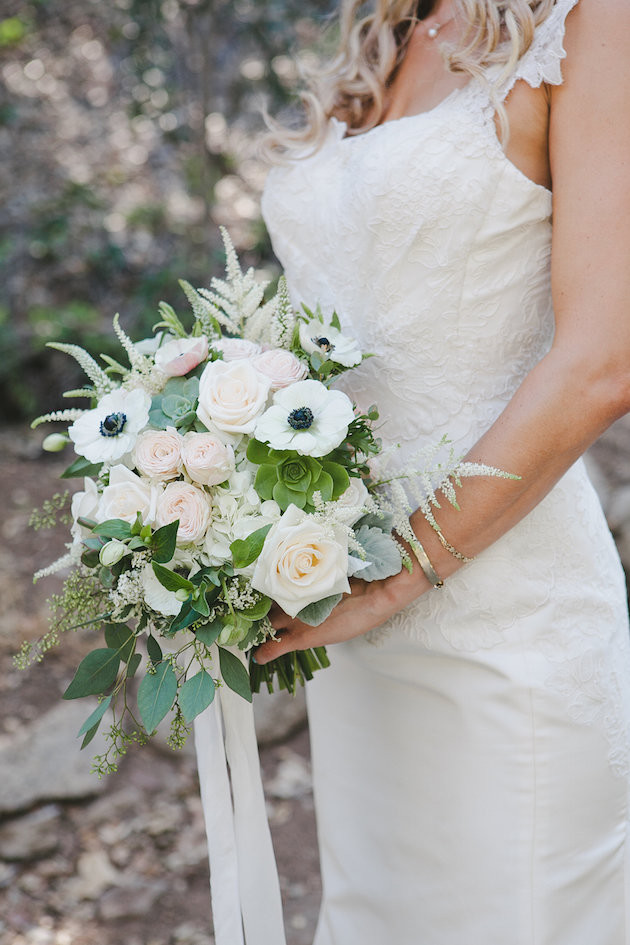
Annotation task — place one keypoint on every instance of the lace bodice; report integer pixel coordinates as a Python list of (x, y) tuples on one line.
[(456, 300)]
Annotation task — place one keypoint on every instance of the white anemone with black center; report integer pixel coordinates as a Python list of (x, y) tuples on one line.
[(306, 417), (106, 433)]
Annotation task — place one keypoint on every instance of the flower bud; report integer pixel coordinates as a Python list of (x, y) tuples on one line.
[(111, 553), (55, 442), (181, 595)]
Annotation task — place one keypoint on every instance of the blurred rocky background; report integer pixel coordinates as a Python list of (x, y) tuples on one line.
[(128, 132)]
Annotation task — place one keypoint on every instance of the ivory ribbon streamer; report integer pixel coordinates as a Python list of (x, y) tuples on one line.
[(246, 903)]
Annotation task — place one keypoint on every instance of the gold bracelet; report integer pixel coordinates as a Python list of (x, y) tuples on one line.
[(456, 554), (423, 560)]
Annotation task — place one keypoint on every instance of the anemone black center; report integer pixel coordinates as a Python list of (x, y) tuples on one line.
[(113, 424), (301, 418), (324, 343)]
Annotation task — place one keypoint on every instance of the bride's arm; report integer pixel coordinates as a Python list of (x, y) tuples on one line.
[(583, 384)]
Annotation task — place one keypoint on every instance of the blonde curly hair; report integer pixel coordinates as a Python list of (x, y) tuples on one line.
[(353, 86)]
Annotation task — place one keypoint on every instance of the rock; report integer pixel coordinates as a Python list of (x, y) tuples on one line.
[(130, 901), (43, 761), (278, 715), (292, 778), (95, 873), (33, 836)]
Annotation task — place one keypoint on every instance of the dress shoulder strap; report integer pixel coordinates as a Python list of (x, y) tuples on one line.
[(542, 61)]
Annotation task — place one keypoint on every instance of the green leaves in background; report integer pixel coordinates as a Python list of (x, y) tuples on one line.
[(246, 550)]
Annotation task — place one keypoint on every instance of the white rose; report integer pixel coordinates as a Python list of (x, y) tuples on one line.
[(355, 497), (232, 396), (281, 367), (84, 505), (156, 596), (179, 356), (234, 349), (190, 505), (126, 495), (207, 460), (157, 453), (300, 563)]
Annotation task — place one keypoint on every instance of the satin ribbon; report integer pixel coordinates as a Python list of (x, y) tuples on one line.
[(246, 902)]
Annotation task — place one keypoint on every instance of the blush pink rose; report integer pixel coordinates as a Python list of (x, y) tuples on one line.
[(179, 356), (207, 460), (157, 453), (190, 505), (281, 367)]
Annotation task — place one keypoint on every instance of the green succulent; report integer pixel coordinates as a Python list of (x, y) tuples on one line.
[(177, 404), (292, 479)]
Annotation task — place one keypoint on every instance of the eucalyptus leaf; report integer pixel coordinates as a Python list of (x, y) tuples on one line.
[(381, 551), (119, 636), (154, 649), (184, 618), (196, 694), (133, 664), (316, 613), (234, 674), (96, 672), (156, 695), (209, 633), (89, 735), (94, 719)]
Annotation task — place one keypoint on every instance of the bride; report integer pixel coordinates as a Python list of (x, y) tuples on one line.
[(470, 741)]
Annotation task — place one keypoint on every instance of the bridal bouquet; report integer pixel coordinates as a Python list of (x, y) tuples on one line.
[(221, 474)]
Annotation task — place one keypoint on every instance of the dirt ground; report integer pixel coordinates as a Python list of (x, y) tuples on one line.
[(130, 865)]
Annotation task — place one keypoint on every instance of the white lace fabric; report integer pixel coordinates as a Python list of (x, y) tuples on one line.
[(434, 249)]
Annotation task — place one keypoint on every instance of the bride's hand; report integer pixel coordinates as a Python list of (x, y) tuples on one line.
[(366, 607)]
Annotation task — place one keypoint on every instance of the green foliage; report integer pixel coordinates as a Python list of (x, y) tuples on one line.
[(196, 694), (381, 551), (292, 479), (317, 612), (246, 550), (156, 695), (234, 674)]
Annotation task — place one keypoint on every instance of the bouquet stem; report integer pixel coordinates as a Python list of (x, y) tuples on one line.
[(291, 669)]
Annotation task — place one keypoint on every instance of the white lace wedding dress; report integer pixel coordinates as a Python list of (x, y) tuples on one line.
[(471, 759)]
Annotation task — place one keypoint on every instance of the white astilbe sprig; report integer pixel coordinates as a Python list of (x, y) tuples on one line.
[(140, 363), (69, 415), (237, 297), (66, 561), (206, 314), (79, 392), (257, 327), (102, 383), (426, 478), (283, 319)]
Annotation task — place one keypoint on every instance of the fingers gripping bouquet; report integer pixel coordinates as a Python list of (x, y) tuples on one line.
[(221, 473)]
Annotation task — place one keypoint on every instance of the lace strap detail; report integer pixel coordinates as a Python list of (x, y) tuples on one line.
[(542, 61)]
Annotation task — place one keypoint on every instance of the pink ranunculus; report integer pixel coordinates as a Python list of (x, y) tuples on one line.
[(281, 367), (233, 349), (157, 453), (179, 356), (190, 505), (206, 459)]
